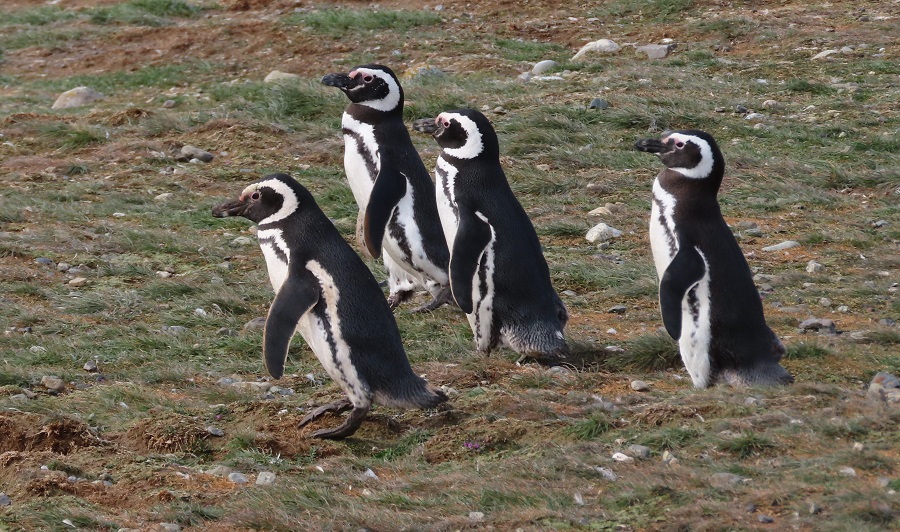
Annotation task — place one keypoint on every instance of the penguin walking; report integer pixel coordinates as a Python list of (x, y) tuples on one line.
[(498, 273), (324, 291), (391, 185), (707, 298)]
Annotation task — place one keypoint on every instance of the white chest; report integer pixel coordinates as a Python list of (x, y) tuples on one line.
[(663, 242), (361, 158), (277, 255), (445, 177)]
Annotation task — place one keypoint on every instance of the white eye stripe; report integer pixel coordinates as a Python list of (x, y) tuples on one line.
[(474, 145), (704, 167), (289, 204), (389, 102)]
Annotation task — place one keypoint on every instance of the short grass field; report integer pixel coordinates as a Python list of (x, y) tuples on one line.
[(98, 193)]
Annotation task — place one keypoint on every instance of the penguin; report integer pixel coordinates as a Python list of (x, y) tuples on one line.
[(498, 274), (392, 186), (707, 298), (324, 291)]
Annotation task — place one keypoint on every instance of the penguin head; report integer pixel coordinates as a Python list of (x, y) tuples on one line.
[(375, 86), (272, 198), (466, 134), (692, 153)]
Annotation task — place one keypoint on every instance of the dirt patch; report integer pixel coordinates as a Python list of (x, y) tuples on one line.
[(30, 432)]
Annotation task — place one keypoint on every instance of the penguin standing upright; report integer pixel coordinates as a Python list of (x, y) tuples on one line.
[(391, 185), (707, 298), (498, 273), (324, 291)]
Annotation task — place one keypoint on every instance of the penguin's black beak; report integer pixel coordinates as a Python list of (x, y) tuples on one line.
[(651, 146), (341, 81), (230, 208), (425, 125)]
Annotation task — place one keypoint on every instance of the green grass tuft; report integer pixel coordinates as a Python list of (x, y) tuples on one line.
[(590, 428), (70, 137), (804, 350), (747, 444), (337, 22)]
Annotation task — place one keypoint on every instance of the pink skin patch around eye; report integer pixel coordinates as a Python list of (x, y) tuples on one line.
[(353, 73)]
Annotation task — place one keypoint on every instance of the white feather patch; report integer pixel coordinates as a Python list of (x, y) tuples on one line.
[(288, 206), (389, 102), (473, 146), (696, 333), (358, 176), (705, 166), (662, 231), (445, 177), (275, 264), (482, 317)]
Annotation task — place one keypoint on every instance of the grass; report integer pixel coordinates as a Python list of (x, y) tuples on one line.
[(527, 447)]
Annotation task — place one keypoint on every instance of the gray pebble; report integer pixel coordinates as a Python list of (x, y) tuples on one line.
[(843, 308), (215, 431), (879, 223), (598, 103), (163, 275), (168, 104), (192, 152), (770, 104), (238, 478), (617, 309), (818, 324), (754, 116), (63, 266), (225, 331), (607, 473), (569, 293), (476, 516), (639, 386), (655, 51), (640, 451), (750, 507), (168, 527), (76, 97), (90, 366), (219, 471), (52, 382), (543, 66), (225, 381), (741, 109), (766, 519), (602, 232), (43, 260), (847, 471), (825, 302), (753, 401), (725, 480), (5, 500), (814, 267), (255, 324), (265, 478), (814, 508), (174, 330), (783, 245)]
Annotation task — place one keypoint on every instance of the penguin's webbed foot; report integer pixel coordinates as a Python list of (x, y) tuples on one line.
[(347, 428), (442, 298), (398, 297), (336, 407)]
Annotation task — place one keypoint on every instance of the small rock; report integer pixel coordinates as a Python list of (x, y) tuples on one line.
[(884, 387), (655, 51), (824, 53), (818, 324), (879, 223), (63, 266), (825, 302), (265, 478), (602, 232), (370, 474), (607, 473), (76, 98), (52, 382), (814, 508), (173, 330), (215, 431), (165, 196), (843, 308), (600, 211), (569, 293), (847, 471), (476, 516), (237, 478), (5, 500), (225, 331), (754, 116), (639, 386), (192, 152), (598, 103), (622, 457), (617, 309), (169, 104), (37, 349), (725, 480), (750, 508), (219, 471), (543, 66), (753, 401), (200, 313), (90, 366), (600, 46), (858, 446), (277, 75), (766, 519), (640, 451), (524, 77), (253, 386), (168, 527), (255, 324), (814, 267), (784, 245), (163, 275), (740, 109), (770, 104), (43, 261), (78, 282)]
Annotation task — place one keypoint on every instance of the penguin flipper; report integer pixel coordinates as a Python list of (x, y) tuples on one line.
[(388, 190), (685, 270), (472, 237), (298, 294)]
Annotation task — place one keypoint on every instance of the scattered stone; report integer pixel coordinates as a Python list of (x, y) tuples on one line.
[(219, 471), (63, 266), (225, 331), (265, 478), (243, 241), (169, 104), (607, 473), (215, 431), (770, 104), (824, 53), (165, 196), (76, 98), (168, 527), (766, 519), (569, 293), (884, 387), (277, 75), (669, 458), (858, 446), (524, 77), (78, 282), (43, 261), (173, 330), (192, 152), (543, 66), (740, 109), (640, 451), (598, 103), (818, 324), (656, 51), (784, 245), (37, 349), (255, 324), (163, 275), (750, 508), (639, 386), (622, 457), (52, 382), (237, 478), (814, 267), (753, 401), (879, 223), (578, 498), (847, 471), (601, 46), (253, 385), (90, 366), (843, 308), (814, 508), (617, 309), (602, 233), (476, 516), (754, 116), (825, 302), (5, 500), (725, 480)]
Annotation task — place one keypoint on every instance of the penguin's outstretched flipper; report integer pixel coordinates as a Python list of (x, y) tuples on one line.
[(388, 190), (299, 293), (472, 237), (685, 271)]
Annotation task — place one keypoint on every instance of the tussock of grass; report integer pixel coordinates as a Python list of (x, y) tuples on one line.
[(590, 428), (403, 447), (747, 444), (40, 16), (649, 352), (143, 12), (806, 350), (69, 137), (650, 11), (669, 438), (522, 50), (337, 22)]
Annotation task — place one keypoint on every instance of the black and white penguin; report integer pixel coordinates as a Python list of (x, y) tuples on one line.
[(706, 293), (498, 273), (391, 185), (324, 291)]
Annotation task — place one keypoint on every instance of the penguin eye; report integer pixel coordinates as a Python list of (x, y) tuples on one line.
[(679, 144), (255, 195), (445, 123), (368, 78)]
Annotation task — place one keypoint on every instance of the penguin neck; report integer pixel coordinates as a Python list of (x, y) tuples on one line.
[(370, 115), (693, 197)]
